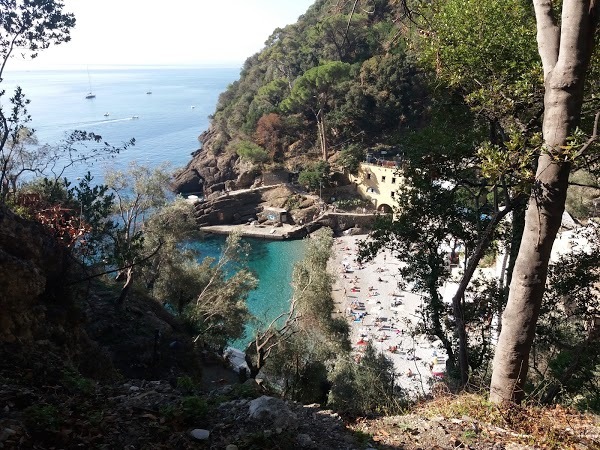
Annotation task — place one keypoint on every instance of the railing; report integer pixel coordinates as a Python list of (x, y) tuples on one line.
[(383, 163)]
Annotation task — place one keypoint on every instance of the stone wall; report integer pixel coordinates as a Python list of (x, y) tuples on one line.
[(340, 222)]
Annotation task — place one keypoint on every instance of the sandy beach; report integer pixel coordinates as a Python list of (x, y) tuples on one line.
[(379, 311)]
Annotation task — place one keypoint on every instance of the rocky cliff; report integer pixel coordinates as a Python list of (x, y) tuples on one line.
[(32, 275), (212, 171)]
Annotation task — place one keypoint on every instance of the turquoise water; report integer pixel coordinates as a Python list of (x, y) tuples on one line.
[(273, 263)]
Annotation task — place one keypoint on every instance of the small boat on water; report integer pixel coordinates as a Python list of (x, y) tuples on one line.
[(135, 117), (106, 114), (90, 93), (149, 92)]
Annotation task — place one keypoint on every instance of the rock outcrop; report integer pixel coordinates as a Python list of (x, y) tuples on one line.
[(210, 170), (239, 207), (229, 209)]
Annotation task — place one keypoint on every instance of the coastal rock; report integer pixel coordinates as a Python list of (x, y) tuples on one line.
[(209, 166), (273, 412), (188, 181)]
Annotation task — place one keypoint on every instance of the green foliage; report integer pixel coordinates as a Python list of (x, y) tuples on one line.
[(316, 176), (304, 343), (50, 190), (194, 409), (139, 192), (341, 71), (431, 215), (566, 349), (317, 87), (470, 48), (189, 411), (252, 152), (351, 157), (73, 381), (26, 27), (352, 203), (218, 311), (42, 417), (187, 384), (365, 388)]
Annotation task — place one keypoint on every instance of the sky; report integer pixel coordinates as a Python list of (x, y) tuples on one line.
[(172, 32)]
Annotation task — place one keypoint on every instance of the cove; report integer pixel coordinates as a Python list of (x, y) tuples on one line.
[(273, 263)]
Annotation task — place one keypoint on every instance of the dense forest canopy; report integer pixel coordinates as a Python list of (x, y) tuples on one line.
[(338, 76)]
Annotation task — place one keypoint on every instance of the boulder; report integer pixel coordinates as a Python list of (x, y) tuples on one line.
[(188, 181), (200, 434), (272, 412)]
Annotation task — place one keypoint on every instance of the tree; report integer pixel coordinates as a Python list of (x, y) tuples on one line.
[(316, 91), (351, 157), (26, 26), (565, 47), (566, 352), (429, 216), (219, 312), (138, 193), (252, 152), (269, 134), (365, 388), (316, 176)]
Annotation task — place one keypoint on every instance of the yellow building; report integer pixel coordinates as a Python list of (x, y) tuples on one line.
[(378, 183)]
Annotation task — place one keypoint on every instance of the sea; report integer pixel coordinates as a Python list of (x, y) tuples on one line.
[(165, 109)]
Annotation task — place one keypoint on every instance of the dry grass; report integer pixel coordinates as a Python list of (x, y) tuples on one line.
[(553, 427)]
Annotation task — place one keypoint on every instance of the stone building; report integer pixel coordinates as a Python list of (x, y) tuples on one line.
[(378, 181)]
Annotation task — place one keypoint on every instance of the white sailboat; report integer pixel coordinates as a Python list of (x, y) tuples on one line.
[(90, 94)]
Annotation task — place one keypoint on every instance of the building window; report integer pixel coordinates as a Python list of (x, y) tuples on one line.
[(368, 176), (383, 179), (393, 181), (393, 193)]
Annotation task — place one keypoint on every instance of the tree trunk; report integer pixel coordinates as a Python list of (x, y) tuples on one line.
[(565, 56), (322, 135), (457, 299), (126, 286)]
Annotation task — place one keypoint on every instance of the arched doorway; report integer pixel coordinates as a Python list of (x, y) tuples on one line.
[(385, 209)]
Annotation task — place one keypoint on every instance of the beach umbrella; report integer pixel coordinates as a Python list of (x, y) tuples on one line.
[(361, 342)]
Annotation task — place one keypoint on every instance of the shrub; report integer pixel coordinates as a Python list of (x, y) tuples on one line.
[(367, 387), (252, 152), (351, 157)]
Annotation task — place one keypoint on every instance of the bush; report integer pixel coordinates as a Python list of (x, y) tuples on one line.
[(252, 152), (365, 388), (315, 176), (351, 157), (194, 408), (42, 417)]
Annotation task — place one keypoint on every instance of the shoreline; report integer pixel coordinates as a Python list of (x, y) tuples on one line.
[(369, 298)]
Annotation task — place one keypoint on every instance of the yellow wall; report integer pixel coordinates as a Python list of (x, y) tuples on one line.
[(378, 184)]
